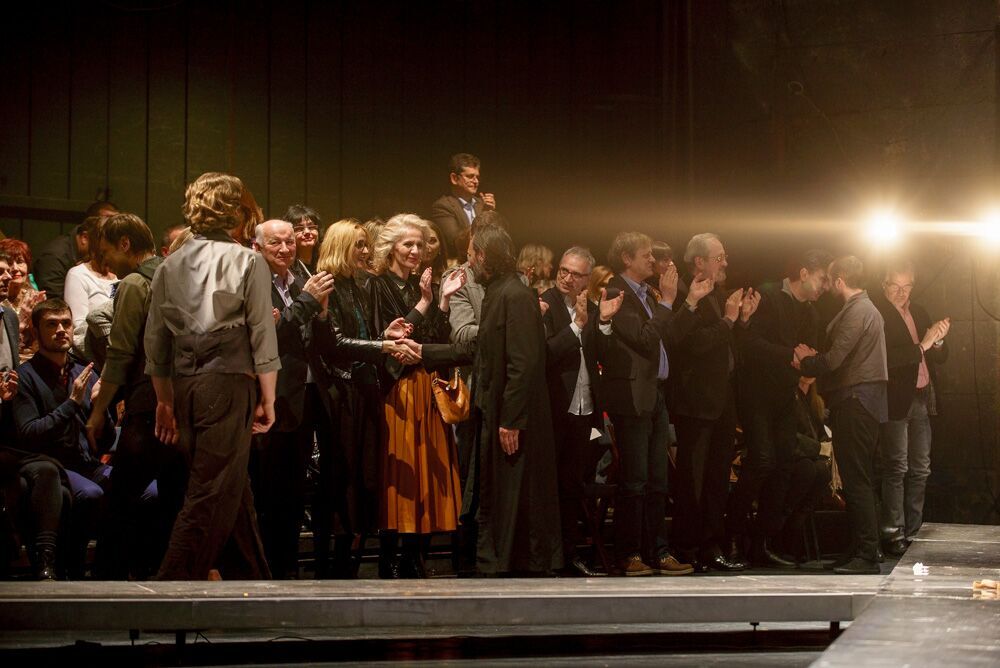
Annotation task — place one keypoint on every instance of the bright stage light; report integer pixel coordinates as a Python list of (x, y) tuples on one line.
[(989, 227), (883, 227)]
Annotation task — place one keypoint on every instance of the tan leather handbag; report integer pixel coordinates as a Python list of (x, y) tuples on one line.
[(452, 397)]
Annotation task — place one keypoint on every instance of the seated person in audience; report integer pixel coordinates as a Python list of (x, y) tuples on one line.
[(51, 408), (21, 295), (63, 253), (88, 284)]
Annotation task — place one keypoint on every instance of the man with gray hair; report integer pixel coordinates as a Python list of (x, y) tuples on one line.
[(577, 332), (703, 404), (279, 459)]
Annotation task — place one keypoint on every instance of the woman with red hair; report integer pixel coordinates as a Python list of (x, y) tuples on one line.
[(21, 294)]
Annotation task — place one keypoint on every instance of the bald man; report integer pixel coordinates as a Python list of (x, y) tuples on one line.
[(279, 458)]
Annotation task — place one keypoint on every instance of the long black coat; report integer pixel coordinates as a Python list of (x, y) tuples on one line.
[(518, 512)]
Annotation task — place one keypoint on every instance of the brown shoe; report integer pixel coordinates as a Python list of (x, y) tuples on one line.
[(634, 566), (668, 565)]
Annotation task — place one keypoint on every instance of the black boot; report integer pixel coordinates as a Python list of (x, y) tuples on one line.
[(767, 556), (411, 564), (388, 558), (345, 566), (45, 562)]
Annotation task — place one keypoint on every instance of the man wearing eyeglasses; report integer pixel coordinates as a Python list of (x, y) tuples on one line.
[(282, 454), (455, 211), (703, 405), (577, 333), (914, 346)]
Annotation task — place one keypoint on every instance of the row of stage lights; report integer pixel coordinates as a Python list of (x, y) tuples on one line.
[(887, 227)]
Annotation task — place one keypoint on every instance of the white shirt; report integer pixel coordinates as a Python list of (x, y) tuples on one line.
[(85, 291), (582, 402)]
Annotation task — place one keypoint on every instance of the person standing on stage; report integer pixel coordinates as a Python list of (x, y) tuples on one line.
[(210, 339), (913, 346), (853, 375), (455, 211)]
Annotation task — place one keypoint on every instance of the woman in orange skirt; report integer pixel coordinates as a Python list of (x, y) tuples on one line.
[(420, 492)]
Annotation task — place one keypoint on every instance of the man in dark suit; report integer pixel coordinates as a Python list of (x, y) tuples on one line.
[(455, 211), (576, 333), (633, 388), (703, 404), (280, 458), (914, 346)]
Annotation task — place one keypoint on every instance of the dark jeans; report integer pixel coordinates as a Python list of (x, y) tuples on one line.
[(278, 463), (136, 534), (640, 508), (217, 527), (905, 447), (855, 432), (769, 427), (577, 466), (705, 450)]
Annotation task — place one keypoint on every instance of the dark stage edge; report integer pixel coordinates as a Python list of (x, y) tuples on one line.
[(932, 619)]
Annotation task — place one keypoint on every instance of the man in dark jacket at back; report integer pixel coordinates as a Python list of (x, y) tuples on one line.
[(914, 346), (64, 252)]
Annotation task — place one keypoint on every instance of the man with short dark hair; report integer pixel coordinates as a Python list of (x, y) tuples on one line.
[(914, 346), (128, 248), (633, 387), (577, 333), (455, 211), (169, 237), (64, 252), (784, 319), (853, 375)]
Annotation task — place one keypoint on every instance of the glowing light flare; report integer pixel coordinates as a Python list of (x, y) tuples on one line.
[(883, 227), (989, 227)]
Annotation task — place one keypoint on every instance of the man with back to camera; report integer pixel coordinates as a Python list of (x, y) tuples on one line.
[(455, 211), (853, 375)]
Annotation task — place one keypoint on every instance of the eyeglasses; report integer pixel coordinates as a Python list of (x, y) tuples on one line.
[(895, 288), (299, 229), (576, 276), (723, 257)]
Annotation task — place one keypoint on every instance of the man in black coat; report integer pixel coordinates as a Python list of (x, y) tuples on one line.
[(914, 346), (577, 333), (784, 319), (282, 454), (517, 490), (703, 404), (633, 386)]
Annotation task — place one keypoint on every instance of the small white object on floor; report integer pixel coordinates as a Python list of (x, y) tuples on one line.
[(920, 569)]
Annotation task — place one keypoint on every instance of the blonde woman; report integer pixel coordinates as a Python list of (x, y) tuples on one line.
[(420, 491), (535, 262)]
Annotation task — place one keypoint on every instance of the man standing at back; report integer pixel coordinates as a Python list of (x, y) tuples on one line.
[(455, 211)]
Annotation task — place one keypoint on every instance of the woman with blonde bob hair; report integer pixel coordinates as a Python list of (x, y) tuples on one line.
[(346, 352), (419, 488)]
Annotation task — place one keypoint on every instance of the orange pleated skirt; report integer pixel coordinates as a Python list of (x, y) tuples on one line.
[(419, 470)]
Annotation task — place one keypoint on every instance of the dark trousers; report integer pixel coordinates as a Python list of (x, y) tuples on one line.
[(640, 507), (217, 526), (577, 465), (136, 536), (278, 463), (855, 432), (45, 505), (705, 450), (769, 428)]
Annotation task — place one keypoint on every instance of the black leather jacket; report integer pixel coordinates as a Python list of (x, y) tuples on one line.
[(341, 347)]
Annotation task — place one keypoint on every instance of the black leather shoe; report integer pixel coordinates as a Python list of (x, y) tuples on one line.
[(45, 567), (734, 551), (858, 566), (769, 558), (720, 563), (579, 568), (411, 567), (388, 569), (897, 546)]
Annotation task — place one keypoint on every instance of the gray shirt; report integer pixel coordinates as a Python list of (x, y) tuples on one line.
[(208, 286), (855, 365)]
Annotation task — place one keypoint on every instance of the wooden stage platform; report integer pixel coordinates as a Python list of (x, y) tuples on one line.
[(897, 617)]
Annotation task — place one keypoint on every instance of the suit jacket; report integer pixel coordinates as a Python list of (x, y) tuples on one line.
[(52, 264), (562, 360), (629, 381), (701, 357), (293, 329), (12, 328), (450, 217), (903, 355)]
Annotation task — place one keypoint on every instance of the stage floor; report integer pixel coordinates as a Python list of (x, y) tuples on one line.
[(898, 618)]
